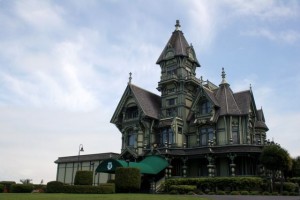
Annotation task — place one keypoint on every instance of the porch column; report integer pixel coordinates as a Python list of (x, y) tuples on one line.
[(232, 165), (210, 166), (184, 167)]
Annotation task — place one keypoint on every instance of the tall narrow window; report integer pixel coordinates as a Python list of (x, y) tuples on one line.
[(131, 138), (167, 135), (235, 134), (206, 134)]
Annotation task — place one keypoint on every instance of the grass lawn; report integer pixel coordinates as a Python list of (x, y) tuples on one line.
[(45, 196)]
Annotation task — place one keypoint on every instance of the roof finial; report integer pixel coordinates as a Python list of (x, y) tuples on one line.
[(201, 80), (177, 26), (223, 76), (129, 82)]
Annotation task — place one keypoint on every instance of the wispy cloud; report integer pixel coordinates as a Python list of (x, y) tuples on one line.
[(288, 36), (265, 10)]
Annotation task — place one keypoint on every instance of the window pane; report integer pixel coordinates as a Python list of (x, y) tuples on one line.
[(235, 134), (171, 136)]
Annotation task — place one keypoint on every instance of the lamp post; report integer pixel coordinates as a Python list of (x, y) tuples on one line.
[(80, 149)]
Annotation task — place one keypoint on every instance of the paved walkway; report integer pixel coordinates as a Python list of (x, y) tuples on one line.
[(249, 197)]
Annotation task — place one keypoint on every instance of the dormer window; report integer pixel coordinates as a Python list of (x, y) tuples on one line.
[(205, 108), (132, 113)]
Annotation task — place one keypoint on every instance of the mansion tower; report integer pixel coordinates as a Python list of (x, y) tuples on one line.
[(201, 128)]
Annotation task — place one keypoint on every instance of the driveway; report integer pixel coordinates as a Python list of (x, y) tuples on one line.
[(249, 197)]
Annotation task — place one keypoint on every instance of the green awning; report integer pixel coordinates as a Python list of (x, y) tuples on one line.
[(150, 165)]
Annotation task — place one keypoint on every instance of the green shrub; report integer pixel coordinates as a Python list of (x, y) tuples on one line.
[(275, 193), (39, 187), (191, 193), (295, 180), (127, 179), (235, 193), (55, 187), (285, 193), (254, 193), (287, 186), (197, 191), (83, 178), (7, 185), (266, 193), (88, 189), (244, 192), (183, 189), (221, 192), (294, 194), (173, 192), (221, 183), (211, 193), (1, 188), (21, 188), (107, 188)]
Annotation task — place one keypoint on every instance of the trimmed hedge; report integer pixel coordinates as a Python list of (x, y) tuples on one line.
[(21, 188), (127, 179), (295, 180), (55, 187), (39, 187), (83, 178), (7, 185), (219, 183), (183, 189), (88, 189), (287, 186)]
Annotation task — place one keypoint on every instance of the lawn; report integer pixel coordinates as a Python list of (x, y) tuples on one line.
[(45, 196)]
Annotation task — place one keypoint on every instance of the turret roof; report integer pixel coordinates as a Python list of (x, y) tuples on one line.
[(178, 44)]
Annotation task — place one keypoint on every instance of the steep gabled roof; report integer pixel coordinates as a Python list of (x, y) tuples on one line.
[(178, 44), (243, 100), (148, 101), (260, 123), (227, 102), (211, 96), (260, 115)]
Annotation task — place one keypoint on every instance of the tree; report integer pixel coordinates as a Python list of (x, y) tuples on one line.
[(26, 181), (295, 172), (275, 158)]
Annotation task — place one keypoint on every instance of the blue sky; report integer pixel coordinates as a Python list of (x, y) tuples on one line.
[(64, 66)]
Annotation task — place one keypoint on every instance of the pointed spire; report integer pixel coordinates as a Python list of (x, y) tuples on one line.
[(223, 76), (177, 25), (129, 82)]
